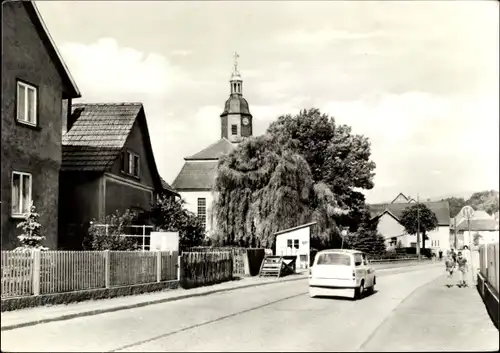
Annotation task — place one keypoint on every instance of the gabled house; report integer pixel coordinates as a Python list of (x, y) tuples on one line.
[(196, 179), (482, 226), (389, 224), (36, 84), (107, 166)]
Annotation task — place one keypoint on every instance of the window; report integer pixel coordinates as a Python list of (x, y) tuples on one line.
[(334, 259), (358, 259), (289, 243), (21, 193), (130, 163), (296, 243), (234, 129), (202, 211), (26, 103)]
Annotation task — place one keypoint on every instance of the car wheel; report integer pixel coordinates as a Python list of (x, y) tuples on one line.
[(358, 294), (371, 290)]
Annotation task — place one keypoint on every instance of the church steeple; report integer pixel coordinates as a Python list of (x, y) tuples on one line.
[(236, 120), (236, 81)]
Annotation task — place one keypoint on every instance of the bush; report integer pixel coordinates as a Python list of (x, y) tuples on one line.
[(100, 237)]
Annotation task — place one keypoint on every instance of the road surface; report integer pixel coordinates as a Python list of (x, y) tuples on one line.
[(278, 317)]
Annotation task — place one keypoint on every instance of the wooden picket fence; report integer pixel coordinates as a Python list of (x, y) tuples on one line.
[(489, 264), (238, 254), (47, 272), (205, 268)]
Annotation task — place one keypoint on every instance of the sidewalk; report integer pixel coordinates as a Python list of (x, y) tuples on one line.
[(32, 316), (437, 318)]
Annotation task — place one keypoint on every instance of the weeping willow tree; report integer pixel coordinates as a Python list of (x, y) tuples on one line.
[(262, 189)]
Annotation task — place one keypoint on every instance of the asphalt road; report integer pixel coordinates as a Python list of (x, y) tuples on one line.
[(278, 317)]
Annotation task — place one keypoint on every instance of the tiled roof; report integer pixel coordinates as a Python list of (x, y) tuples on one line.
[(99, 133), (167, 186), (479, 224), (196, 176), (440, 208), (214, 151)]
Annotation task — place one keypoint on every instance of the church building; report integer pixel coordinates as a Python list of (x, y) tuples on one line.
[(197, 177)]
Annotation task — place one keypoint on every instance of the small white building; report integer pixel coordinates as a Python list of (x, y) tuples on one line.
[(295, 241)]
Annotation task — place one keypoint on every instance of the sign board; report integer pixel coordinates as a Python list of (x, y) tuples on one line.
[(467, 212), (164, 241)]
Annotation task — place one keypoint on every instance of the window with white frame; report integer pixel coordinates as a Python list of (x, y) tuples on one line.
[(21, 193), (202, 211), (131, 163), (26, 103)]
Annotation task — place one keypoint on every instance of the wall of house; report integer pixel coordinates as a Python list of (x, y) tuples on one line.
[(439, 239), (135, 142), (35, 150), (121, 194), (302, 253), (389, 228), (487, 237), (79, 204), (191, 198)]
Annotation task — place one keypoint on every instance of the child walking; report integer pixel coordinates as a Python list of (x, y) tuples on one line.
[(462, 270), (450, 267)]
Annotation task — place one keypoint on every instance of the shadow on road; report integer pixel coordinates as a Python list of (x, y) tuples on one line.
[(335, 297)]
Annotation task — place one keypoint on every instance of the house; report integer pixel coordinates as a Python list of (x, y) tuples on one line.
[(196, 179), (295, 241), (107, 166), (482, 226), (389, 224), (35, 85)]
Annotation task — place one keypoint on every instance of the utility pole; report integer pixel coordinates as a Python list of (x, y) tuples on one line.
[(418, 227)]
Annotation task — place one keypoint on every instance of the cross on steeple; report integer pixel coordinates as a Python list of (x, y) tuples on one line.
[(236, 56)]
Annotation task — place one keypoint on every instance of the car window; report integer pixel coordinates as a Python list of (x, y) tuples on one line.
[(358, 260), (365, 260), (333, 259)]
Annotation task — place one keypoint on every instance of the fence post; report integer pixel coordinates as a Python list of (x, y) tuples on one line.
[(36, 272), (179, 262), (158, 266), (107, 269)]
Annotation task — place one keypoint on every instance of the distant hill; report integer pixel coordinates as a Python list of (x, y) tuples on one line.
[(487, 200), (462, 194)]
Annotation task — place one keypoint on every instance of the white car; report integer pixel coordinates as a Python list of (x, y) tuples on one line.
[(339, 272)]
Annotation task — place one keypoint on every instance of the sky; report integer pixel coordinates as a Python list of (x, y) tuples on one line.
[(419, 79)]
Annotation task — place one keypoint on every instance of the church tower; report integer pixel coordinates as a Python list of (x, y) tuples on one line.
[(236, 120)]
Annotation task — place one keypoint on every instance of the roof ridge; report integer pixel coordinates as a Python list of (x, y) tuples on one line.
[(110, 104)]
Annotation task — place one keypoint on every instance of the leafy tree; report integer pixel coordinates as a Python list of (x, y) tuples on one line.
[(335, 156), (367, 240), (456, 204), (476, 239), (263, 187), (419, 217), (169, 214), (485, 200), (31, 238), (100, 237)]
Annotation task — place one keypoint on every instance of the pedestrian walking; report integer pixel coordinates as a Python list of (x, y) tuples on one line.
[(454, 255), (450, 268), (440, 255), (462, 270)]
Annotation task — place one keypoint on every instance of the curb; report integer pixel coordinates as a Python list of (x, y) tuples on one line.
[(145, 303)]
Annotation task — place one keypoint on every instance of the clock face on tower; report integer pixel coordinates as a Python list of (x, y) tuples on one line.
[(245, 121)]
